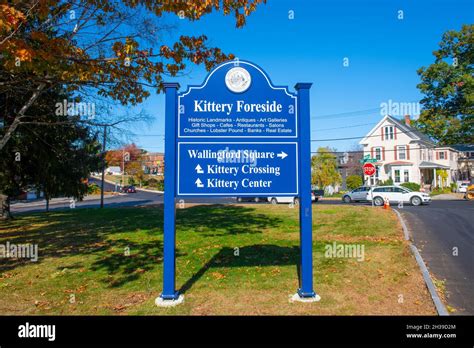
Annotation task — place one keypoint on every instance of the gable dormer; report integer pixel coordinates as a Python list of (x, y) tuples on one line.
[(390, 129)]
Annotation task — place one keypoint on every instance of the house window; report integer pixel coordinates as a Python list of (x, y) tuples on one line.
[(430, 155), (401, 152), (441, 155), (388, 132), (378, 154), (397, 175), (406, 176)]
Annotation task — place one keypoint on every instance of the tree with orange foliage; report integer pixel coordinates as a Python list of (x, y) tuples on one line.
[(98, 49)]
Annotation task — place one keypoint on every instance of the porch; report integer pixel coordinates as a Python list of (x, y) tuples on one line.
[(428, 177)]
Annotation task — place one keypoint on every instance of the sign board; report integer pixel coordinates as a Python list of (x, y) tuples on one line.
[(369, 169), (229, 169), (237, 134), (367, 158)]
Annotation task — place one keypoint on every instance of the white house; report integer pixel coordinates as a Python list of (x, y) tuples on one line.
[(405, 154), (114, 170)]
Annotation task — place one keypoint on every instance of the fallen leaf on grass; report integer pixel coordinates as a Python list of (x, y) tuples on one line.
[(218, 275)]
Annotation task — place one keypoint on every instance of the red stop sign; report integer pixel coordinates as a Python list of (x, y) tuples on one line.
[(369, 169)]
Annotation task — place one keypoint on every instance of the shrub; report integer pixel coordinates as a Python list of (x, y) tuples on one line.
[(353, 181), (93, 189), (411, 186), (387, 182), (454, 187), (156, 183), (161, 185)]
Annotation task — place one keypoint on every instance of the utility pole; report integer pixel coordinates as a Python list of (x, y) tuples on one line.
[(123, 166), (103, 168)]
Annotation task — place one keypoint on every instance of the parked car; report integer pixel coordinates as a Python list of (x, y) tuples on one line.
[(462, 187), (317, 194), (128, 189), (251, 199), (294, 200), (397, 194), (356, 195)]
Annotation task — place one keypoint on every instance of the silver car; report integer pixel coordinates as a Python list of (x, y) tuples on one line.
[(357, 195)]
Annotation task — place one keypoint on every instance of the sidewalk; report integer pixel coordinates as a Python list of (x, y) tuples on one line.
[(448, 196)]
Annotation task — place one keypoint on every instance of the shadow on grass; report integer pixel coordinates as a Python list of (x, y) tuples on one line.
[(91, 232), (249, 256), (220, 220)]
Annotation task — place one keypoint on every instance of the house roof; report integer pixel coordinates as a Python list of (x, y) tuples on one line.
[(399, 163), (426, 164), (463, 147), (410, 131)]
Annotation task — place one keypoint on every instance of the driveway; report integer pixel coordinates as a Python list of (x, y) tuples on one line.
[(444, 233)]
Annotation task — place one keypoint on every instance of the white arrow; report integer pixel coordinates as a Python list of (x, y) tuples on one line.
[(282, 155), (199, 169), (199, 183)]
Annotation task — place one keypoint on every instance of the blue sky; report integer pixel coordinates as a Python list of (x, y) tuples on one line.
[(384, 54)]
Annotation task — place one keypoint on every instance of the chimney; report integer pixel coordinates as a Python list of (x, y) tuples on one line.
[(407, 120)]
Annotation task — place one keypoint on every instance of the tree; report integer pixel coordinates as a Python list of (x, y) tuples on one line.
[(135, 170), (448, 86), (51, 156), (127, 154), (99, 49), (324, 168), (353, 181)]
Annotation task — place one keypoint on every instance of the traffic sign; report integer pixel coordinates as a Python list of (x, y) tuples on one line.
[(369, 169), (367, 158)]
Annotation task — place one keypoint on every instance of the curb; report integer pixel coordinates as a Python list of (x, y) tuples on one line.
[(440, 308)]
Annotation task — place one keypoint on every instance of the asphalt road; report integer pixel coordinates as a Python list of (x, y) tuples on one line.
[(440, 231), (140, 198)]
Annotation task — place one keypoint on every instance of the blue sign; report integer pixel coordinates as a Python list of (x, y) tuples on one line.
[(229, 169), (244, 103), (237, 134), (237, 106)]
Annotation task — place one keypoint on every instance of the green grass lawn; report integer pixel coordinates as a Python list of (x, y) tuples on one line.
[(236, 259)]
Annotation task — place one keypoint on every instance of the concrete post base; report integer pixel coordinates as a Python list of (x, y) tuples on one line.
[(169, 303), (297, 298)]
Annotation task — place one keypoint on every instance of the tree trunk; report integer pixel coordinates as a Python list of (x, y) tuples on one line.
[(17, 121), (47, 204), (5, 213)]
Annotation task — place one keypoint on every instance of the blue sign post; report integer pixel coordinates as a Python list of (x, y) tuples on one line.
[(237, 135)]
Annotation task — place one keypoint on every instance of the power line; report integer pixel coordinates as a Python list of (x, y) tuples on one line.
[(347, 114), (385, 150), (360, 137), (353, 126)]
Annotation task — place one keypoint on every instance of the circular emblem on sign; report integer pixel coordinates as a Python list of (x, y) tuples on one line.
[(238, 80)]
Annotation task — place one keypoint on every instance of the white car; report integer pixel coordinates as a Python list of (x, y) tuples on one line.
[(397, 194), (294, 200), (462, 188), (357, 195)]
